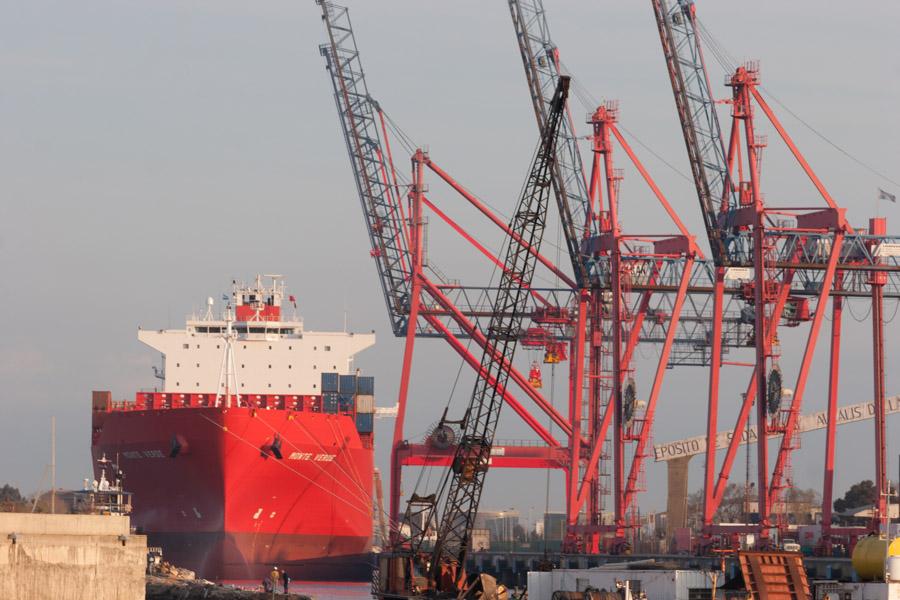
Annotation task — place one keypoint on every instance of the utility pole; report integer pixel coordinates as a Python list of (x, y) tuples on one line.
[(53, 465)]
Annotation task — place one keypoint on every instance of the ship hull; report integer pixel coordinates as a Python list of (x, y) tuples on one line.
[(210, 490), (238, 556)]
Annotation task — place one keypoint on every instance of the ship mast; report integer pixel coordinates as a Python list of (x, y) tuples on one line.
[(227, 373)]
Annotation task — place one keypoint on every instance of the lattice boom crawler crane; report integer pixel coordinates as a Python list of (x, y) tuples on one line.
[(442, 570)]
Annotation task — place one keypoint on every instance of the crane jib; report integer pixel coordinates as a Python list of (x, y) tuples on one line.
[(464, 481)]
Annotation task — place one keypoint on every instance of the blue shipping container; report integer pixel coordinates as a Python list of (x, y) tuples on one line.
[(348, 384), (345, 402), (365, 422), (330, 402), (329, 382), (365, 386)]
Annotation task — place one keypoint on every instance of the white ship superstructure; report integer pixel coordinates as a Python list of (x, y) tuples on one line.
[(271, 354)]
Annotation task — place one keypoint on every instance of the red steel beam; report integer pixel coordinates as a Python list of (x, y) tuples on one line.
[(475, 363), (597, 447), (656, 191), (479, 338), (782, 132), (731, 453), (503, 456), (576, 408), (406, 371), (503, 226), (800, 387), (661, 367), (712, 413), (878, 226), (837, 308), (487, 253)]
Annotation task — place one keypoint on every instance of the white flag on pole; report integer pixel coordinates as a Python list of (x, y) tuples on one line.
[(883, 195)]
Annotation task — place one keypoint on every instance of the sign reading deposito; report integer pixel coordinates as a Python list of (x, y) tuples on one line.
[(846, 414)]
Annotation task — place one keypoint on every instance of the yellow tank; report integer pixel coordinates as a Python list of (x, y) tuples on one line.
[(870, 554)]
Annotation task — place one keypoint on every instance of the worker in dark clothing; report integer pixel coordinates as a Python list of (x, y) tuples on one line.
[(286, 579)]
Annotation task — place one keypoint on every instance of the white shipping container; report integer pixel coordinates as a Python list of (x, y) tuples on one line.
[(657, 584), (365, 404)]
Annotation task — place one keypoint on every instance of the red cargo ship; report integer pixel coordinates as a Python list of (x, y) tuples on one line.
[(257, 451)]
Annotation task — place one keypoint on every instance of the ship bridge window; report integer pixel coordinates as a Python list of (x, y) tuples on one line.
[(327, 348), (185, 346), (209, 329)]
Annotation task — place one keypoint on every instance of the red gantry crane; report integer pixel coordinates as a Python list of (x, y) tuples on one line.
[(786, 249), (771, 267)]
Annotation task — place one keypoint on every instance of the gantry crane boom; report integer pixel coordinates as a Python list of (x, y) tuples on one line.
[(358, 115), (463, 483), (699, 122), (540, 58)]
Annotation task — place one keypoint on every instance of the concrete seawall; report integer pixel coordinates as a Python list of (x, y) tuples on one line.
[(70, 557)]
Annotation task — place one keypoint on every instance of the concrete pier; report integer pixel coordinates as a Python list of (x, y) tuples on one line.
[(70, 557)]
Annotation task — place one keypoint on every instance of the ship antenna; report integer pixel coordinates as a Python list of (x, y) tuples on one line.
[(209, 309)]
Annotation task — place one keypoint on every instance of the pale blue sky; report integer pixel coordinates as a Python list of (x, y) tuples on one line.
[(154, 150)]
